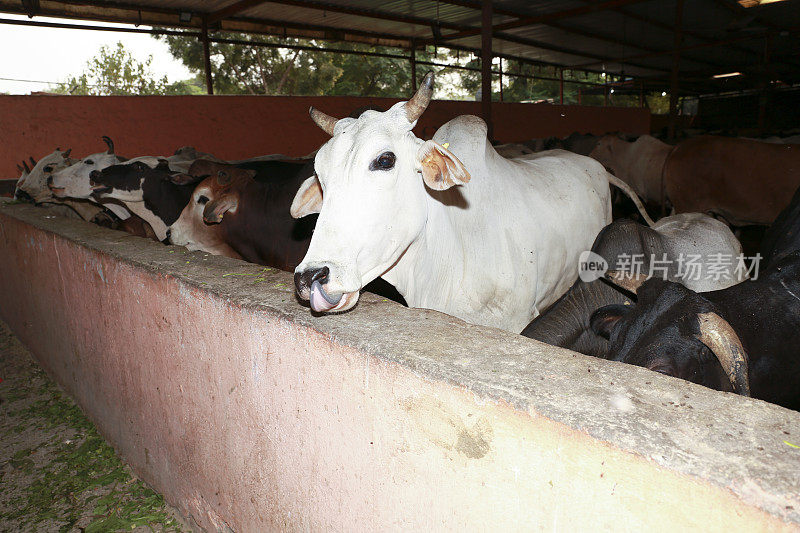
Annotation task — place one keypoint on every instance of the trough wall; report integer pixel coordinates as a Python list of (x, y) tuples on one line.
[(249, 413), (237, 127)]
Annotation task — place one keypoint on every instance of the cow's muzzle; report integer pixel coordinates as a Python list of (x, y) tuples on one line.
[(305, 279), (97, 188), (57, 191), (311, 286), (22, 196)]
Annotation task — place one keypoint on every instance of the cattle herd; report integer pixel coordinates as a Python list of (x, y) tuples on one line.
[(518, 237)]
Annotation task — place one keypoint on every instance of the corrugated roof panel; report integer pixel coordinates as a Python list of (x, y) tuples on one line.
[(635, 36)]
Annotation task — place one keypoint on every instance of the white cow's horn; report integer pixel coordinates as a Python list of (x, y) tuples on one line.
[(326, 122), (416, 106), (718, 335)]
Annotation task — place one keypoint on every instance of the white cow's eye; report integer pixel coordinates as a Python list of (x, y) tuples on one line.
[(385, 161), (48, 168), (89, 162), (202, 200)]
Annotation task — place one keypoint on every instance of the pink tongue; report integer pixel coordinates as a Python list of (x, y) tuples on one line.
[(320, 301)]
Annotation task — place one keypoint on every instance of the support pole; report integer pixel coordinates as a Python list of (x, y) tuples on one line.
[(207, 57), (676, 61), (641, 94), (561, 86), (486, 65), (500, 70), (413, 61), (763, 89)]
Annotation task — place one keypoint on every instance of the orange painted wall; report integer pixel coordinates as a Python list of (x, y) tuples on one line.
[(235, 127)]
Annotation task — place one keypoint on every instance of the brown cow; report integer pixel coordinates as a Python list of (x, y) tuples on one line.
[(744, 181), (243, 211)]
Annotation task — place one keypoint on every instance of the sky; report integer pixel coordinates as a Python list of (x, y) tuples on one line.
[(53, 54)]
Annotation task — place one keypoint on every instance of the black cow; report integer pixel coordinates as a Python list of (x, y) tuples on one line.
[(744, 338), (783, 236), (566, 323)]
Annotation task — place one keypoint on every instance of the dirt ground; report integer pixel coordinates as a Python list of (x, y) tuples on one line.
[(56, 472)]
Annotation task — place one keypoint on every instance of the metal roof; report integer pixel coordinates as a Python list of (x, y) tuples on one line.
[(629, 37)]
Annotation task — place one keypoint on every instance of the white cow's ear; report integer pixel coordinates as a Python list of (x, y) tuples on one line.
[(308, 199), (440, 168)]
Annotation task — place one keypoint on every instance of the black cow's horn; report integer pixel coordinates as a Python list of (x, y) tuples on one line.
[(326, 122), (420, 101), (66, 153), (25, 164), (718, 335), (626, 280), (109, 143), (33, 161)]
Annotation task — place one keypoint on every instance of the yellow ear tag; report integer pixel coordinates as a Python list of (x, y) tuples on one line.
[(445, 145)]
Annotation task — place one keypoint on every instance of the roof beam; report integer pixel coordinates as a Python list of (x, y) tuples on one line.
[(691, 33), (369, 13), (576, 31), (232, 9), (712, 44), (541, 19)]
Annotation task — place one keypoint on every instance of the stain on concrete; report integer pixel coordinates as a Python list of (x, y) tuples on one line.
[(447, 429)]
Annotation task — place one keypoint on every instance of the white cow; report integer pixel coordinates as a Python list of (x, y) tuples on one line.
[(640, 163), (73, 181), (33, 181), (33, 184), (493, 252)]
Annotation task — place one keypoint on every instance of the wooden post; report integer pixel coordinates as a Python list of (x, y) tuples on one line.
[(561, 86), (676, 60), (486, 65), (207, 57)]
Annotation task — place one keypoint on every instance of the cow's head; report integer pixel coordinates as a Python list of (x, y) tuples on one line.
[(125, 181), (606, 151), (675, 331), (216, 195), (73, 182), (32, 184), (370, 191)]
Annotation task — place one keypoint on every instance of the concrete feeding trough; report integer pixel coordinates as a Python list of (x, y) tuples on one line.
[(251, 414)]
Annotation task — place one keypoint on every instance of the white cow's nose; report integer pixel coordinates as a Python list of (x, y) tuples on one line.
[(304, 279)]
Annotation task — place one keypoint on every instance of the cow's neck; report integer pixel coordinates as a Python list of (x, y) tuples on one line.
[(138, 208), (431, 273)]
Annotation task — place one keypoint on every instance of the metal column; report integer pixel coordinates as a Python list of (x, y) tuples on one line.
[(486, 65), (676, 61), (207, 57)]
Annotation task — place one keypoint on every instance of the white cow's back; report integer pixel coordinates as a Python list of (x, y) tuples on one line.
[(505, 245)]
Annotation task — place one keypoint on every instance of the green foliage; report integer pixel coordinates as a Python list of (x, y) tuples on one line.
[(239, 69), (83, 470), (115, 72)]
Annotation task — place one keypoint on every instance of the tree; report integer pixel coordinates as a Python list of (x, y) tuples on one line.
[(117, 72), (242, 69)]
